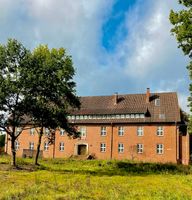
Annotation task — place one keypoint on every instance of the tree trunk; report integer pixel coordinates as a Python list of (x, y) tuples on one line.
[(38, 146), (13, 151)]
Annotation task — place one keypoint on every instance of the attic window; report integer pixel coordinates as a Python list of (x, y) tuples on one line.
[(161, 116), (157, 102)]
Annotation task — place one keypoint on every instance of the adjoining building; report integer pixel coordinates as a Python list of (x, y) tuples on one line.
[(145, 127)]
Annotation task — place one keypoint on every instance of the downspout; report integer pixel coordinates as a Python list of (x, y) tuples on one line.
[(111, 156), (54, 145), (177, 142)]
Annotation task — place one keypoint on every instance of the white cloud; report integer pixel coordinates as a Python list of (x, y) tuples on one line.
[(148, 57)]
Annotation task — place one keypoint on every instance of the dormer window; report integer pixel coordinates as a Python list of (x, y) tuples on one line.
[(157, 102)]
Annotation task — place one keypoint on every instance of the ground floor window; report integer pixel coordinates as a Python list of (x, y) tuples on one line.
[(61, 146), (103, 147), (31, 145), (16, 145), (120, 148), (46, 146), (139, 148), (159, 148)]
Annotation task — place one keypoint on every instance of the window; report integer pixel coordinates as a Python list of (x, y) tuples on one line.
[(139, 148), (132, 116), (142, 116), (159, 148), (83, 131), (46, 146), (140, 131), (137, 116), (18, 130), (120, 148), (103, 131), (121, 131), (161, 116), (47, 132), (122, 116), (160, 131), (16, 145), (62, 132), (31, 145), (103, 147), (32, 131), (61, 146), (157, 102)]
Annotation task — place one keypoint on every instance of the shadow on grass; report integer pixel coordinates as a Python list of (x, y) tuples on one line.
[(121, 168)]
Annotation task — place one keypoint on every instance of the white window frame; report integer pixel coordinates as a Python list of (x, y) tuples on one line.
[(159, 149), (62, 132), (17, 144), (31, 145), (160, 131), (103, 131), (83, 131), (120, 148), (61, 146), (32, 131), (157, 102), (18, 130), (102, 147), (120, 131), (139, 148), (46, 146), (140, 131), (47, 131)]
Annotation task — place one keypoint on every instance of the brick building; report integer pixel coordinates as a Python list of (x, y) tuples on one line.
[(144, 127)]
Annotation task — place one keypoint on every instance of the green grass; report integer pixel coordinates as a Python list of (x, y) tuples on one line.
[(93, 179)]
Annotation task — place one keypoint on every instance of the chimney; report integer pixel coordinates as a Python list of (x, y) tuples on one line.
[(115, 98), (147, 95)]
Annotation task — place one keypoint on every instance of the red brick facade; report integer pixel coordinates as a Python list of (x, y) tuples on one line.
[(138, 139)]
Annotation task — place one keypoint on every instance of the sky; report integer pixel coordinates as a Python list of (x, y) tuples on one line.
[(122, 46)]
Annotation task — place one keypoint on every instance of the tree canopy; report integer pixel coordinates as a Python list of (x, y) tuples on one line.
[(51, 90), (182, 30), (37, 88)]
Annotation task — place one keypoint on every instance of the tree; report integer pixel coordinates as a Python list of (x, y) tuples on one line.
[(51, 91), (14, 62), (182, 22)]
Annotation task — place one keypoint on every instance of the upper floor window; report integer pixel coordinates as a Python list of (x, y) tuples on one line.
[(32, 131), (47, 131), (31, 145), (16, 145), (103, 147), (18, 130), (139, 148), (61, 146), (46, 146), (140, 131), (83, 131), (160, 131), (62, 132), (161, 116), (159, 148), (103, 131), (157, 102), (120, 148), (121, 131)]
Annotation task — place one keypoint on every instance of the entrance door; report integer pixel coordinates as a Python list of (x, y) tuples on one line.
[(82, 149)]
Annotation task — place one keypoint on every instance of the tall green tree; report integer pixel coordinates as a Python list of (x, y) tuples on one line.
[(14, 62), (182, 22), (51, 91)]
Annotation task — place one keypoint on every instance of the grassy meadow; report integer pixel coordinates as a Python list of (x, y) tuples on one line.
[(92, 179)]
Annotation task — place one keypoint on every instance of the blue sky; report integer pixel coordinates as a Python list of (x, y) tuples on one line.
[(119, 46)]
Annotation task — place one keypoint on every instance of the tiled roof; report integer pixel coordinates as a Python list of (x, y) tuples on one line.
[(167, 111)]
